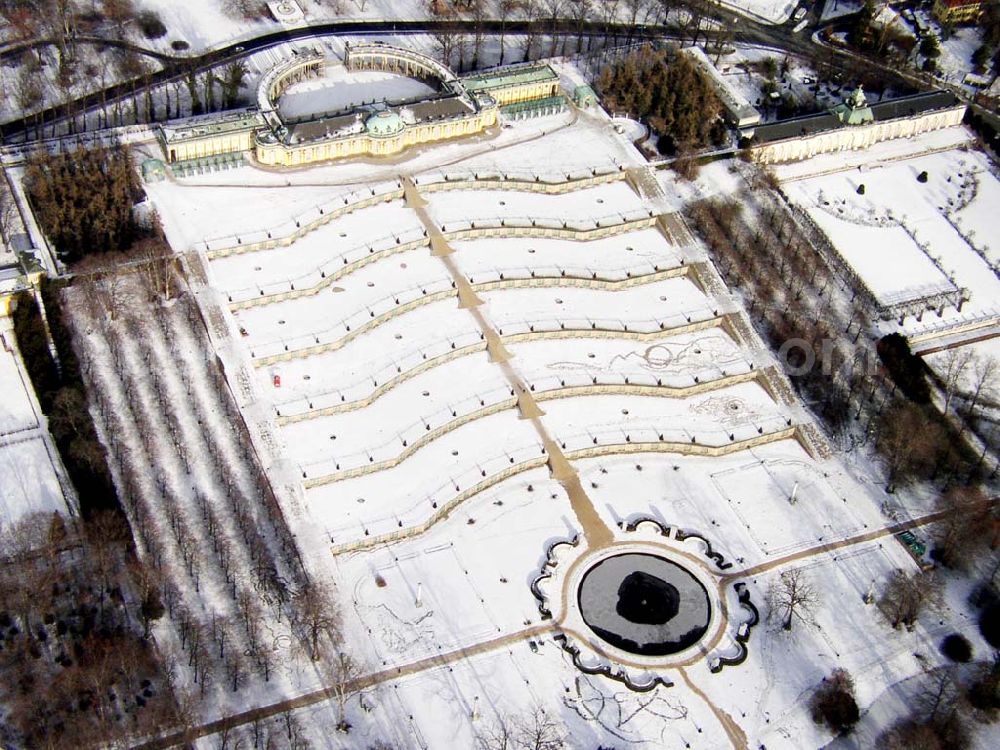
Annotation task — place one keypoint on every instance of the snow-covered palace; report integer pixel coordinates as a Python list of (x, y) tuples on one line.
[(452, 108), (855, 124)]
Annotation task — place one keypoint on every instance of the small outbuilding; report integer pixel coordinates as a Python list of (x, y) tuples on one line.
[(154, 170), (584, 96)]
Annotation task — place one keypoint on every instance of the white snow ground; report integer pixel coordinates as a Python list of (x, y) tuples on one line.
[(339, 89), (904, 237), (32, 477)]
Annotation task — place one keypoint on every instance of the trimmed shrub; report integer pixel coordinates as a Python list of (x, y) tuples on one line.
[(833, 702), (151, 25), (989, 624), (956, 647), (907, 370)]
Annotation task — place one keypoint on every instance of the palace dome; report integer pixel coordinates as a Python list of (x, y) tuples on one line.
[(384, 124)]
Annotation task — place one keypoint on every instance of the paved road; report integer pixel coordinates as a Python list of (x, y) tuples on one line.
[(748, 31), (328, 693)]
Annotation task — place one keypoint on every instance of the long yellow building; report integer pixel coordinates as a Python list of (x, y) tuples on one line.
[(459, 107), (957, 11)]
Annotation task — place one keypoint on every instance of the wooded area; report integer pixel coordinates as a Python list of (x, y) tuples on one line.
[(77, 668), (83, 199), (666, 90)]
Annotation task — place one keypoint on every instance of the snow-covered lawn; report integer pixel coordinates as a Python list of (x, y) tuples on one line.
[(955, 61), (610, 202), (773, 11), (29, 483), (30, 467), (887, 257), (339, 89), (206, 23), (17, 411), (611, 257)]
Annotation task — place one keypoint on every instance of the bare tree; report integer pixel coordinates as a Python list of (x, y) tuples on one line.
[(956, 364), (346, 672), (444, 44), (533, 730), (294, 732), (236, 668), (111, 283), (906, 596), (505, 9), (971, 521), (529, 13), (317, 614), (984, 380), (157, 267), (539, 731), (479, 10), (791, 597), (940, 698), (907, 442), (29, 91), (633, 7), (553, 9), (497, 735), (580, 11)]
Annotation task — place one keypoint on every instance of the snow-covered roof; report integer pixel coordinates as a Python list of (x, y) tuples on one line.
[(215, 124), (904, 106)]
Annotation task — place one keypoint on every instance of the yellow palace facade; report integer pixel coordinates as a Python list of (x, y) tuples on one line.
[(460, 107)]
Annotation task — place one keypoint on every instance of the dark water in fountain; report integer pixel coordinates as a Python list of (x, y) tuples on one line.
[(644, 604), (646, 599)]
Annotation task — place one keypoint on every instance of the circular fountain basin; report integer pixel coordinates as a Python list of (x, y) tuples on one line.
[(644, 604)]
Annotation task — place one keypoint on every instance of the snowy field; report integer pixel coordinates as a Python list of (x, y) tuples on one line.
[(340, 89), (29, 465), (29, 483), (414, 477), (17, 412), (907, 238), (771, 11), (206, 24)]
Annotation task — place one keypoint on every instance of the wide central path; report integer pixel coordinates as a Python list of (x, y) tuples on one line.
[(595, 531)]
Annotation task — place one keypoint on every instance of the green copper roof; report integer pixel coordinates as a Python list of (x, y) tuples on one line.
[(855, 109), (384, 124), (511, 77)]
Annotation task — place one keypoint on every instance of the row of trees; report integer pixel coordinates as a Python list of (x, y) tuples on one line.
[(530, 729), (594, 24), (818, 323), (188, 92), (206, 521), (63, 398)]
